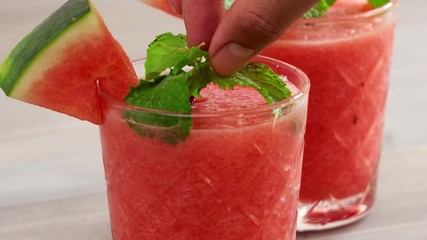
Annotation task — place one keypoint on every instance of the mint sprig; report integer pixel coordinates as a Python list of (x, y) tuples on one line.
[(168, 93), (258, 76), (378, 3), (170, 51), (173, 73), (319, 9)]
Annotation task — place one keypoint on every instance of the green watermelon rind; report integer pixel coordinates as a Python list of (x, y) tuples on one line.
[(37, 41)]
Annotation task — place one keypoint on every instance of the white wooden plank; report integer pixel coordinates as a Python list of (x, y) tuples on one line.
[(400, 206), (50, 163), (83, 218)]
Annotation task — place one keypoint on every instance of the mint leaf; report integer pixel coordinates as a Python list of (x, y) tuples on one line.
[(168, 93), (322, 7), (189, 72), (319, 9), (170, 51), (202, 75), (258, 76), (378, 3)]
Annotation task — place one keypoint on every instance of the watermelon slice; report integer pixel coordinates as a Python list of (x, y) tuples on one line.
[(58, 64), (162, 5)]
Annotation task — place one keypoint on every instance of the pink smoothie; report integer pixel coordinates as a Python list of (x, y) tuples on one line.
[(348, 63), (235, 177)]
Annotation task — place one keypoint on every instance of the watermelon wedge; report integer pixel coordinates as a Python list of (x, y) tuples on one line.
[(162, 5), (58, 64)]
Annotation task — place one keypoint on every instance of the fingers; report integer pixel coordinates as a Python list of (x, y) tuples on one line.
[(201, 19), (235, 36), (248, 27)]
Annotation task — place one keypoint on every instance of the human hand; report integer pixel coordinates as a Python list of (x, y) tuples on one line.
[(233, 37)]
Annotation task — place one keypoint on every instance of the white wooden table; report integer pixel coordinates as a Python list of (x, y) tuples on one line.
[(51, 177)]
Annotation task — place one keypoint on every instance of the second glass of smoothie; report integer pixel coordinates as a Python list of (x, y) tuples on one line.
[(346, 55)]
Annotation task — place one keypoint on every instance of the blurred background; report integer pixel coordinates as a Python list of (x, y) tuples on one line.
[(46, 156)]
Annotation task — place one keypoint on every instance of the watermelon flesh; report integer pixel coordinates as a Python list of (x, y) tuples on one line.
[(162, 5), (58, 65)]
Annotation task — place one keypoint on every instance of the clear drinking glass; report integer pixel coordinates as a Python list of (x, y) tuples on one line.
[(347, 58), (236, 176)]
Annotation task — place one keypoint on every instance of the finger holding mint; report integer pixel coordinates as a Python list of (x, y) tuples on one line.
[(235, 35)]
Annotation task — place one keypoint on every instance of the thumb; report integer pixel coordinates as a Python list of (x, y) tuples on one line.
[(248, 27)]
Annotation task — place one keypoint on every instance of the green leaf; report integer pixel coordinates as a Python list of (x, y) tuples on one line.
[(319, 9), (170, 51), (168, 93), (163, 53), (258, 76), (202, 75), (378, 3), (330, 2)]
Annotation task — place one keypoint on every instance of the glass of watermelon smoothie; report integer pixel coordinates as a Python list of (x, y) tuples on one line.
[(236, 176), (346, 55)]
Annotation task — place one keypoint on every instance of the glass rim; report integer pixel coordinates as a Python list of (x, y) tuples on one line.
[(299, 96), (348, 18)]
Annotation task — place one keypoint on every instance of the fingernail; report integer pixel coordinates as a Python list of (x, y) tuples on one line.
[(231, 58), (239, 51)]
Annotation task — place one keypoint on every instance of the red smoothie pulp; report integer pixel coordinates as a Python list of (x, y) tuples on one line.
[(235, 177)]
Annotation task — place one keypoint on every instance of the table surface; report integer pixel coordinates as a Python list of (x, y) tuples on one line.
[(51, 177)]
